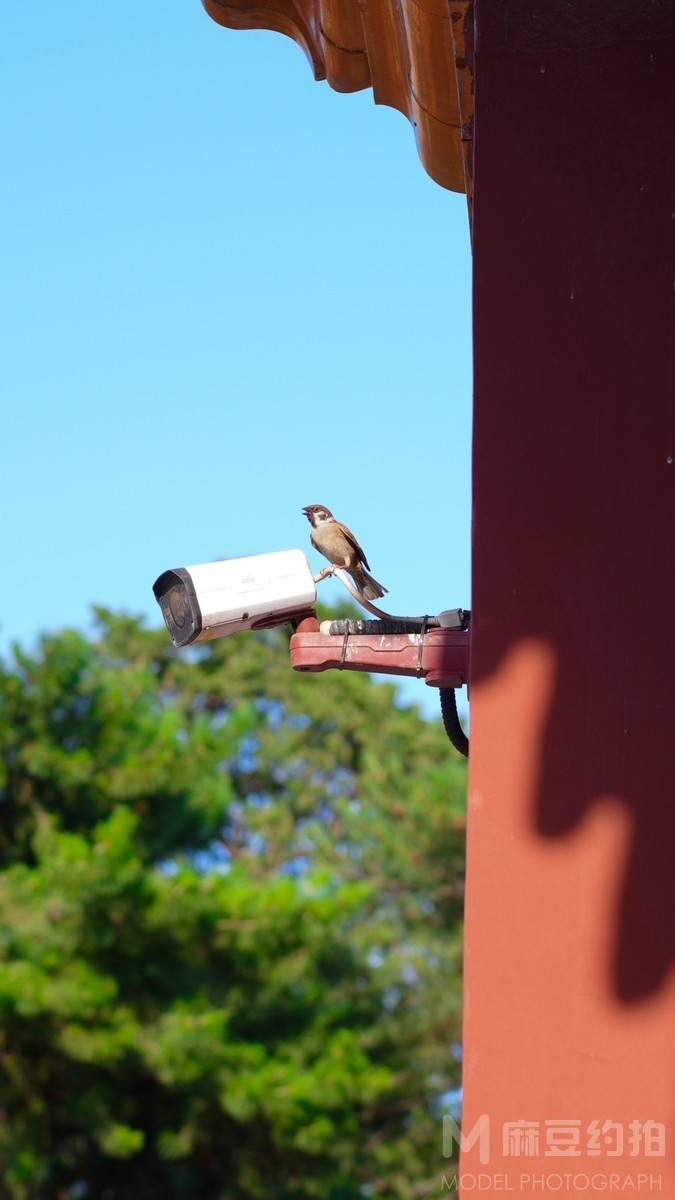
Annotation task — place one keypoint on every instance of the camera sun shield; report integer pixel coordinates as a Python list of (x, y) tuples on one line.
[(211, 600)]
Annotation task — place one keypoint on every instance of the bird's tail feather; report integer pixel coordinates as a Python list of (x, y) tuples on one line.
[(371, 589)]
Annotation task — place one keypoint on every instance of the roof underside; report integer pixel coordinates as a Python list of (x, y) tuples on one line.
[(415, 54)]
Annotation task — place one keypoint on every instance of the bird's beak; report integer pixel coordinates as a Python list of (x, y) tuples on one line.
[(305, 511)]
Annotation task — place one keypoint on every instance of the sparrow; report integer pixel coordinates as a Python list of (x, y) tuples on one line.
[(340, 547)]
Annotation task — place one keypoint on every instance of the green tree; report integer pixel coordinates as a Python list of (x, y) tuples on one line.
[(230, 905)]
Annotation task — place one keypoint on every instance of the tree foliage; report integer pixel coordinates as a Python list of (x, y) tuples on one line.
[(230, 904)]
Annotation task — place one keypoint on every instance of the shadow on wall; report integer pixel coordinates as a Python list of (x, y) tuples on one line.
[(575, 479)]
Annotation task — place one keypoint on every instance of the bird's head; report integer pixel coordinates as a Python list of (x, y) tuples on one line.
[(316, 513)]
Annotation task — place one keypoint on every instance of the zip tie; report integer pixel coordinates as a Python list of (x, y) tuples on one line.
[(420, 651), (343, 655)]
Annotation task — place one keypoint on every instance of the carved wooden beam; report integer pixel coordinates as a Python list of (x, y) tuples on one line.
[(415, 54)]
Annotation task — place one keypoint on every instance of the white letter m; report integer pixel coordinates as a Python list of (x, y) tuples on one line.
[(453, 1136)]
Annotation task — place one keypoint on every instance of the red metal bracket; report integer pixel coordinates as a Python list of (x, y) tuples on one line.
[(439, 656)]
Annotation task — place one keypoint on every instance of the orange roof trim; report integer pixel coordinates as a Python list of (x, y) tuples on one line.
[(415, 54)]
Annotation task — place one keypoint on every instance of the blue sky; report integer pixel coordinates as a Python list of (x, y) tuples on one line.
[(227, 292)]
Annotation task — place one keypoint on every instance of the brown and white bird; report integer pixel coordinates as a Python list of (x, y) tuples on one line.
[(338, 544)]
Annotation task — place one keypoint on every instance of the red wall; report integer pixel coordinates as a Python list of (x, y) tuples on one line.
[(570, 993)]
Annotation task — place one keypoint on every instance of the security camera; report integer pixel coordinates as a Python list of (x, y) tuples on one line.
[(213, 600)]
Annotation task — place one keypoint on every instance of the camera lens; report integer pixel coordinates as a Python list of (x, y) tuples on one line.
[(178, 606), (176, 596)]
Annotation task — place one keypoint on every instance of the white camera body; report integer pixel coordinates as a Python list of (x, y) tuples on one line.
[(212, 600)]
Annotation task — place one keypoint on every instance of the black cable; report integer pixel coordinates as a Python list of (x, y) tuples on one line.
[(451, 721), (363, 626)]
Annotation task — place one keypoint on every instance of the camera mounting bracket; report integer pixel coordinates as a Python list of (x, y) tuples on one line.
[(435, 649), (439, 656)]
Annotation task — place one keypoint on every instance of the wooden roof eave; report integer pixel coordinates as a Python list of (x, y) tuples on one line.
[(415, 54)]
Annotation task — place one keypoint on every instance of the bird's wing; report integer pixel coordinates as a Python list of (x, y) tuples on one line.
[(350, 538)]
